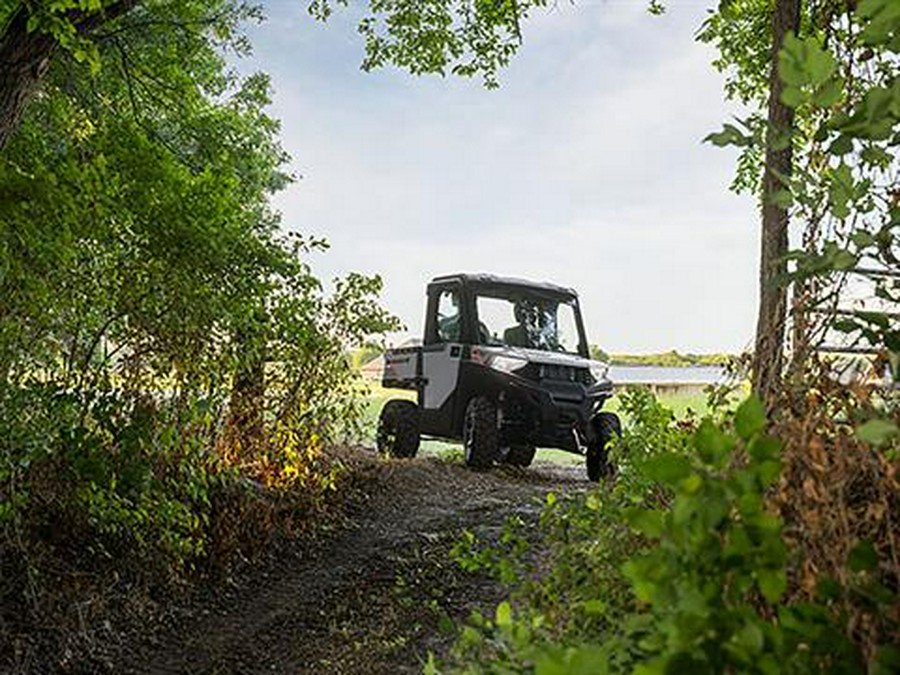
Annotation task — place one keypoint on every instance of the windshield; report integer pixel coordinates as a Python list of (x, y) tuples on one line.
[(532, 321)]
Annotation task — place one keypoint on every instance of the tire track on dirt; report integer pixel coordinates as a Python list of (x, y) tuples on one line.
[(370, 598)]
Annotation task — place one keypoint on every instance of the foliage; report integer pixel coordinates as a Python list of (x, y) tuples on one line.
[(713, 582), (840, 76), (846, 191), (840, 496), (755, 551), (686, 570), (597, 353), (143, 287), (651, 426), (669, 359), (366, 354), (837, 493), (569, 591), (460, 37)]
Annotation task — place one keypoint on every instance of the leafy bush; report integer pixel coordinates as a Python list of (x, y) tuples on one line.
[(569, 590), (689, 569), (170, 368)]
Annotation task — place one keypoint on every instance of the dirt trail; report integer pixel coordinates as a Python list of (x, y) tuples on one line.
[(372, 598)]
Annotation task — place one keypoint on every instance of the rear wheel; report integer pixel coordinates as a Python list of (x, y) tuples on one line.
[(606, 427), (398, 429), (520, 455), (480, 435)]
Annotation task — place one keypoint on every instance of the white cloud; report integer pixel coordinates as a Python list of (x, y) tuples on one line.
[(585, 168)]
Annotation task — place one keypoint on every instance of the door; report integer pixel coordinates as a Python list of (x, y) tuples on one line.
[(441, 357)]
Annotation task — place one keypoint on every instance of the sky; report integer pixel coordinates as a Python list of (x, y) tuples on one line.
[(585, 168)]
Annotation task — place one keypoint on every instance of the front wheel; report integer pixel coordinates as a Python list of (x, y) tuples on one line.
[(606, 427), (481, 438), (398, 429), (520, 455)]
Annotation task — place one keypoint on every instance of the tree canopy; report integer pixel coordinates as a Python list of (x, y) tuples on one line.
[(445, 36)]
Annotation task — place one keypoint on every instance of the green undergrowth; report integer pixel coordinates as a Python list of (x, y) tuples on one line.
[(679, 565), (106, 490)]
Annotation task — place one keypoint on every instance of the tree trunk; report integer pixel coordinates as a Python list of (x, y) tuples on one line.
[(245, 422), (25, 57), (770, 327), (246, 428)]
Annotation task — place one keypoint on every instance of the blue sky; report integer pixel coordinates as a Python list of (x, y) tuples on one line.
[(585, 168)]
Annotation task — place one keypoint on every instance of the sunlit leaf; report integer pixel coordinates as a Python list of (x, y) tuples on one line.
[(876, 431), (750, 418)]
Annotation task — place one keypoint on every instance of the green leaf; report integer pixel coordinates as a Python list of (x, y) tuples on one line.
[(829, 93), (862, 238), (713, 445), (692, 601), (738, 544), (691, 484), (828, 590), (782, 198), (588, 660), (790, 61), (594, 607), (803, 62), (876, 156), (840, 190), (750, 418), (649, 522), (843, 260), (639, 572), (430, 665), (584, 660), (763, 448), (503, 616), (821, 134), (886, 660), (768, 471), (793, 97), (550, 664), (845, 325), (820, 63), (841, 145), (863, 557), (876, 432), (772, 583), (730, 135), (655, 666), (750, 637), (667, 468)]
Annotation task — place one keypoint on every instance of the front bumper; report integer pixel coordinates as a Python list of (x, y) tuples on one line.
[(550, 414)]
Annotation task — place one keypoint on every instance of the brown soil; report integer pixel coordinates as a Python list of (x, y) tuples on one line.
[(374, 596)]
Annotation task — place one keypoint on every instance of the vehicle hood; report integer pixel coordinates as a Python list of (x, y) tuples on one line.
[(550, 358)]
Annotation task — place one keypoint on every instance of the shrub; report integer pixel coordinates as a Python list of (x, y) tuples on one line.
[(692, 568)]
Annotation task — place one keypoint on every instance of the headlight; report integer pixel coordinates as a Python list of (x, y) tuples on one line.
[(599, 371), (507, 364)]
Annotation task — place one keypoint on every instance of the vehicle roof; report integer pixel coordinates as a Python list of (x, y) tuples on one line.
[(483, 279)]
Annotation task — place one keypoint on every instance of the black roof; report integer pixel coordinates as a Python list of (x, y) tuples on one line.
[(482, 279)]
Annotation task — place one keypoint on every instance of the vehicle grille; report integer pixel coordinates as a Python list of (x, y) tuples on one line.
[(560, 373)]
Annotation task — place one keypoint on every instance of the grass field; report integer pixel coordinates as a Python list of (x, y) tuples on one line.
[(678, 403)]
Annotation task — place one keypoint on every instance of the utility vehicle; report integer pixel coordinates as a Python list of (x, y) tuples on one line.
[(504, 368)]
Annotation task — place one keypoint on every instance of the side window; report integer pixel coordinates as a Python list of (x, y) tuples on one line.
[(448, 316)]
